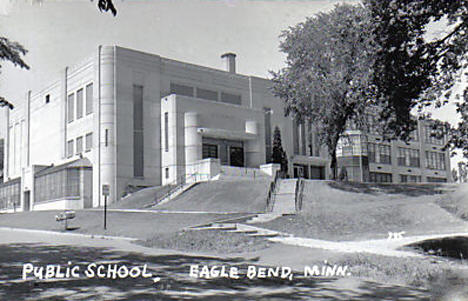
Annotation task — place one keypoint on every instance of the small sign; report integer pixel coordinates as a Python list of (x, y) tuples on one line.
[(105, 189)]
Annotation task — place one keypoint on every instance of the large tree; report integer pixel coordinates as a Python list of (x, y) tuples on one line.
[(415, 67), (327, 79)]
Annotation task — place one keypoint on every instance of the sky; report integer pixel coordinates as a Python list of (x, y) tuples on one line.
[(59, 33)]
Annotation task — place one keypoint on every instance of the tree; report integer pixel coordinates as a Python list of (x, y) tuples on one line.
[(412, 70), (327, 79), (278, 154), (454, 175), (12, 52), (463, 172), (106, 5)]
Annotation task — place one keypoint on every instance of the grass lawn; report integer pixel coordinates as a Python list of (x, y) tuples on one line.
[(353, 211), (139, 199), (245, 195), (137, 225)]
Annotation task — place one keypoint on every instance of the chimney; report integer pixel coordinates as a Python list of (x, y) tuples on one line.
[(229, 62)]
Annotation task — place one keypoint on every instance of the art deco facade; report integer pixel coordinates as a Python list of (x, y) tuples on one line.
[(131, 119)]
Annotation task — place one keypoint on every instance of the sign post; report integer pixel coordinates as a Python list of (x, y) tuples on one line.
[(105, 193)]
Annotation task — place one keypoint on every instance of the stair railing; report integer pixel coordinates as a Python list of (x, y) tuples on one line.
[(270, 201), (178, 184), (299, 194)]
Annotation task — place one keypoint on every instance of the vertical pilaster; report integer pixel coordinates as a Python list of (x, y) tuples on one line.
[(107, 139)]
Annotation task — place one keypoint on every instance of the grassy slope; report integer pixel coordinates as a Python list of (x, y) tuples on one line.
[(349, 211), (243, 195), (139, 199), (137, 225)]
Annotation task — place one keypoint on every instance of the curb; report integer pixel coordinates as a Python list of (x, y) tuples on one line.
[(70, 234)]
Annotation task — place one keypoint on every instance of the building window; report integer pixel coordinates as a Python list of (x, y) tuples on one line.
[(207, 94), (138, 142), (379, 153), (181, 90), (436, 180), (47, 98), (166, 131), (88, 142), (435, 160), (79, 145), (210, 150), (371, 152), (380, 177), (71, 107), (414, 135), (428, 138), (385, 154), (70, 147), (166, 171), (410, 179), (89, 98), (231, 98), (268, 145), (408, 157), (79, 103)]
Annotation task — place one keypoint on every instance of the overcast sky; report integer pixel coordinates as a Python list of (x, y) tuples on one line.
[(60, 33)]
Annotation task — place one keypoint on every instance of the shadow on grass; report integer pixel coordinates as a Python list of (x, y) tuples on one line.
[(390, 188), (175, 282)]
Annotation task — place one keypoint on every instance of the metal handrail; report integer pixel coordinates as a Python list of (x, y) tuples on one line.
[(271, 192), (299, 194), (178, 184)]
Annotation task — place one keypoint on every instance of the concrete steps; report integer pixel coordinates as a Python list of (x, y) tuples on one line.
[(285, 197), (239, 228)]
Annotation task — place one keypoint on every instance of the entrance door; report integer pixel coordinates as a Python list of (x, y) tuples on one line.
[(27, 200), (298, 171), (236, 156)]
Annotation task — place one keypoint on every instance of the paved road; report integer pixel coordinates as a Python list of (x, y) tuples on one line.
[(169, 279)]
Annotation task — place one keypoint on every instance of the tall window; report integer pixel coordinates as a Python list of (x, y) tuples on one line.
[(79, 103), (71, 107), (79, 145), (138, 131), (88, 141), (371, 152), (89, 98), (166, 131), (435, 160), (408, 157), (70, 147), (385, 154), (268, 146), (428, 138)]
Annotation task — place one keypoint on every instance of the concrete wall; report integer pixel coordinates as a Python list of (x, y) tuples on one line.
[(187, 116)]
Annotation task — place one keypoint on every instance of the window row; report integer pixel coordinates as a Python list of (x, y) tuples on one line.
[(379, 153), (428, 138), (380, 177), (60, 184), (88, 144), (410, 179), (80, 102), (9, 195), (207, 94), (435, 160), (408, 157)]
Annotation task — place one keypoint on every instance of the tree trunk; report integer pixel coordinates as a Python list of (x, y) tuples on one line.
[(333, 165)]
